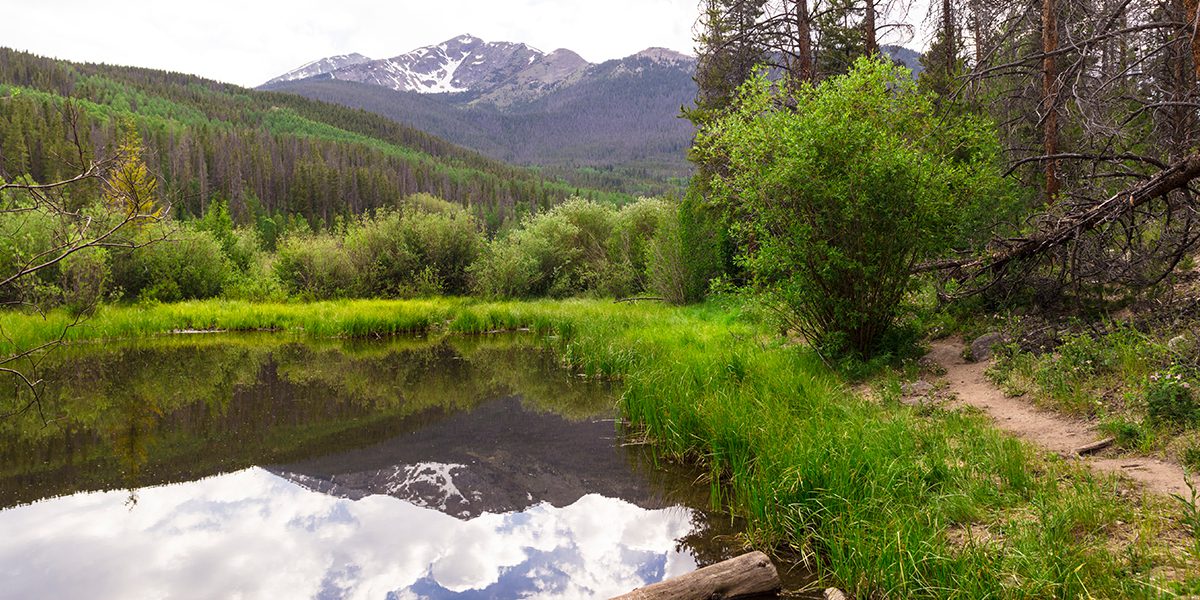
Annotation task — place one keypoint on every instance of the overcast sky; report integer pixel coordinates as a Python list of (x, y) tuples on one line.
[(250, 41)]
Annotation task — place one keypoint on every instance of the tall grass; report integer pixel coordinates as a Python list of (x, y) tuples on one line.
[(888, 500)]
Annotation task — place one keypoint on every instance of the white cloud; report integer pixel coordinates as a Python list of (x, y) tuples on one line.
[(254, 535)]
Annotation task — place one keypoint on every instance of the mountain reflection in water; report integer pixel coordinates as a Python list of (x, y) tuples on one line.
[(256, 535), (262, 467)]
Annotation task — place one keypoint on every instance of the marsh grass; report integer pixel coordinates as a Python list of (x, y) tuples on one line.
[(887, 500)]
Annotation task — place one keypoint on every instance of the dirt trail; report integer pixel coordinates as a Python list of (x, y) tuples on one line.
[(1052, 431)]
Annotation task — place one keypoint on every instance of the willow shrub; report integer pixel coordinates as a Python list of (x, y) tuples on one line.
[(559, 253), (177, 262), (838, 190), (424, 249)]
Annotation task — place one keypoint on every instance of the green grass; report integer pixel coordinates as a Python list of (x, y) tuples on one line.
[(1142, 390), (887, 500)]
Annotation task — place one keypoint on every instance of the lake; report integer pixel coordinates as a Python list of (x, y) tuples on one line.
[(265, 466)]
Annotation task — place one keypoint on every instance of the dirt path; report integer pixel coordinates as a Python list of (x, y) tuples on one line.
[(1052, 431)]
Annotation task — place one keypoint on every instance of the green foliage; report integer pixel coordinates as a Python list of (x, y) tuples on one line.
[(686, 253), (24, 236), (836, 198), (559, 253), (85, 279), (1191, 458), (426, 249), (629, 258), (1170, 400), (218, 223), (315, 266), (175, 263), (1127, 433)]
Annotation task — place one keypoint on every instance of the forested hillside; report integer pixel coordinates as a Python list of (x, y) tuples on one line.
[(264, 153), (618, 127)]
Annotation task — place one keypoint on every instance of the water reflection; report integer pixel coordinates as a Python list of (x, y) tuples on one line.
[(261, 467), (254, 534)]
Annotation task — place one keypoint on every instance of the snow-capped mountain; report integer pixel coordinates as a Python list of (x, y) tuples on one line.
[(463, 64), (497, 73), (320, 67)]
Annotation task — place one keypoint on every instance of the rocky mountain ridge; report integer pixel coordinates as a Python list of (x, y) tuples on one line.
[(496, 73)]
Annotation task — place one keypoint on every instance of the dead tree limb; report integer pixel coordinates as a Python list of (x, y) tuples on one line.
[(1076, 223)]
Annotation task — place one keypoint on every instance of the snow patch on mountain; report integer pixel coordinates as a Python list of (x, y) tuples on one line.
[(321, 67), (500, 74)]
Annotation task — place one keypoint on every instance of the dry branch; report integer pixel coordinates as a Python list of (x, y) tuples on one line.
[(1076, 222)]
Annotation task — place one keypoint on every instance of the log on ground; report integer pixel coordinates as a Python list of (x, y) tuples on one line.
[(747, 575)]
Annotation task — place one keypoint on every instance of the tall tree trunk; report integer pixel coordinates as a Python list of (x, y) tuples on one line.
[(1193, 11), (948, 33), (804, 71), (871, 42), (1050, 98), (1181, 118), (977, 33)]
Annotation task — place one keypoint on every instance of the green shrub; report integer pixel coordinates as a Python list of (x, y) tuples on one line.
[(425, 250), (1170, 400), (24, 236), (837, 190), (258, 282), (629, 245), (85, 277), (175, 263), (559, 253), (686, 253), (314, 266)]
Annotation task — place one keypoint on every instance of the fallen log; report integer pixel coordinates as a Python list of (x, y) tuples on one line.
[(747, 575), (1176, 176), (1094, 447)]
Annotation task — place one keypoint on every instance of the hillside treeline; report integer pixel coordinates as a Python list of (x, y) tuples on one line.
[(262, 153)]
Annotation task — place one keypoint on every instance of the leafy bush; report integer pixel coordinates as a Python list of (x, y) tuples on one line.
[(425, 250), (559, 253), (686, 253), (838, 190), (314, 266), (85, 277), (1170, 400), (633, 229), (25, 235), (177, 263)]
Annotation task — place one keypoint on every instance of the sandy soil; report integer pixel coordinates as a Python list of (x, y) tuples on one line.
[(1053, 431)]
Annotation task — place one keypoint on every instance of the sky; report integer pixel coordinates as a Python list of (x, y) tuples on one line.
[(248, 42)]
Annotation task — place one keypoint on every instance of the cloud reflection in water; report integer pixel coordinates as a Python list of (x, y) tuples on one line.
[(252, 534)]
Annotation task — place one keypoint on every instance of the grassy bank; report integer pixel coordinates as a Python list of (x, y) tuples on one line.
[(888, 500)]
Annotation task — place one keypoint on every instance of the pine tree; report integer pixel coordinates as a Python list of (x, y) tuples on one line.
[(131, 187)]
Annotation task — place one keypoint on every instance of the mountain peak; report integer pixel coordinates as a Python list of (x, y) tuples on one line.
[(497, 73), (321, 67), (664, 55)]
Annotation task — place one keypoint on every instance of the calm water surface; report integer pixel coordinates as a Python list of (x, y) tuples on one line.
[(263, 467)]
